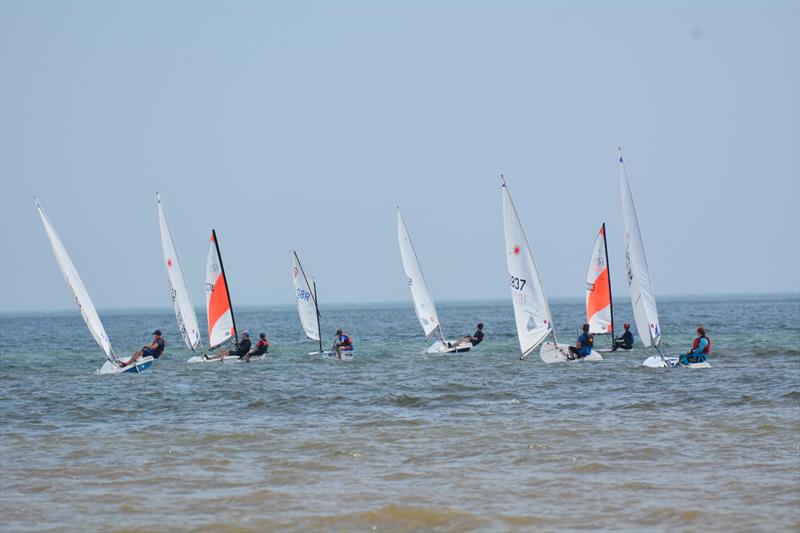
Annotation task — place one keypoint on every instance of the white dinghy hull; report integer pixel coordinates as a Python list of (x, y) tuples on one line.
[(213, 359), (443, 347), (656, 361), (141, 364), (329, 354), (551, 353)]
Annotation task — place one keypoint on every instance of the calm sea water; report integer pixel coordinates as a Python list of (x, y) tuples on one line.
[(398, 441)]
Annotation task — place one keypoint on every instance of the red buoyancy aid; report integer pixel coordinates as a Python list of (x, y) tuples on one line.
[(697, 343), (346, 341), (262, 342)]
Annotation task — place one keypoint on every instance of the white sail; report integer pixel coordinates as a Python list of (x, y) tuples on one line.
[(643, 296), (598, 288), (181, 299), (423, 302), (219, 312), (531, 311), (306, 306), (76, 287)]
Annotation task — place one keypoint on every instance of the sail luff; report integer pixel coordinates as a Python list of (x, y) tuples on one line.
[(179, 292), (641, 289), (420, 293), (76, 287)]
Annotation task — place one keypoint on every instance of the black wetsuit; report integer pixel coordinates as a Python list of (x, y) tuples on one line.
[(477, 337), (626, 341), (241, 348)]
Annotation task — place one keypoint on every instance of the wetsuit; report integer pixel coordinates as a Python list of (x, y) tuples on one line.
[(626, 341), (261, 347), (345, 343), (241, 348), (155, 354), (477, 337)]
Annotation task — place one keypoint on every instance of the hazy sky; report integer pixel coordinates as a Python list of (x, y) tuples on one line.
[(303, 125)]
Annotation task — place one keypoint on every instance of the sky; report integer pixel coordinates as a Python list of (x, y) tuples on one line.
[(302, 125)]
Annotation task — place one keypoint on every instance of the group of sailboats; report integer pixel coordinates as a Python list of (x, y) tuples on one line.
[(532, 314), (531, 309)]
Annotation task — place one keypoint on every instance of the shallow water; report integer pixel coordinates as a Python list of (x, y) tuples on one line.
[(398, 441)]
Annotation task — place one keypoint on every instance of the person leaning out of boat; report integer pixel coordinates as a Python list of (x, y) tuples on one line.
[(700, 349), (474, 339), (154, 349), (261, 348), (583, 346), (343, 343), (625, 341), (241, 347)]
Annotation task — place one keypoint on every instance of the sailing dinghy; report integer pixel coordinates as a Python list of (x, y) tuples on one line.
[(599, 304), (85, 305), (643, 296), (219, 309), (420, 294), (307, 307), (531, 310)]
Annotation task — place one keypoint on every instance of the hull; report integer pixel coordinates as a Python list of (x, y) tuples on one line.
[(550, 353), (442, 347), (656, 361), (329, 354), (213, 359), (142, 364)]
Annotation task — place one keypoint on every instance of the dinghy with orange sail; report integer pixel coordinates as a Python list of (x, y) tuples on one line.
[(599, 303), (219, 309)]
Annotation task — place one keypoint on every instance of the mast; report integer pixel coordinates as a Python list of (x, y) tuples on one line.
[(610, 297), (316, 308), (227, 288)]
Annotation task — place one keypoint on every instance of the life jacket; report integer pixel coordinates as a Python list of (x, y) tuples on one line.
[(345, 340), (263, 342), (160, 346), (697, 343)]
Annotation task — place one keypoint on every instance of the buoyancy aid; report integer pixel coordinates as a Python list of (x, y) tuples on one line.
[(696, 344)]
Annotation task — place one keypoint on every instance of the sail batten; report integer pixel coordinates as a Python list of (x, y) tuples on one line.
[(76, 287), (598, 288), (420, 293), (181, 298), (219, 311), (642, 293), (531, 310)]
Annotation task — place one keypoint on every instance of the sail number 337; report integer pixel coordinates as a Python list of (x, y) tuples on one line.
[(517, 283)]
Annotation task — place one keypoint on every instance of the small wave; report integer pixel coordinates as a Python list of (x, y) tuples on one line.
[(636, 406), (399, 518), (794, 395), (778, 351), (404, 400)]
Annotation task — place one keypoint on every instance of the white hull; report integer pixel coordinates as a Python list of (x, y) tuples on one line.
[(213, 359), (550, 353), (656, 361), (609, 350), (329, 354), (442, 347), (141, 364)]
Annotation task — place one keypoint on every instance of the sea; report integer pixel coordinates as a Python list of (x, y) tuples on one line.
[(396, 440)]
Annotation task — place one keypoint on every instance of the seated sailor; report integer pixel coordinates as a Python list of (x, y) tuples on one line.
[(700, 349)]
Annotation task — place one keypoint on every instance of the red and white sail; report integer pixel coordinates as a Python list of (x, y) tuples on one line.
[(221, 327), (598, 288)]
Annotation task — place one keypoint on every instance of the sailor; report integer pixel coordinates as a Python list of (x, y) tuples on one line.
[(700, 349), (154, 349), (583, 346), (625, 341), (474, 339), (343, 343), (242, 347), (261, 348)]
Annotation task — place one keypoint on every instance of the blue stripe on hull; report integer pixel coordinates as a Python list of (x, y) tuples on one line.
[(138, 368)]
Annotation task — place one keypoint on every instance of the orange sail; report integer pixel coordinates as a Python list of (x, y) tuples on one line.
[(599, 313), (221, 325)]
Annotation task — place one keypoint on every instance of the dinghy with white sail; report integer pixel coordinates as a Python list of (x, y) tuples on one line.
[(85, 305), (219, 309), (179, 292), (599, 303), (307, 307), (643, 298), (531, 309), (420, 294)]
